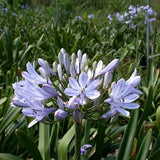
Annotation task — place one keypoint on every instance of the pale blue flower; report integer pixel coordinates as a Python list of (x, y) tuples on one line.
[(110, 67), (84, 148), (81, 88), (45, 69), (32, 75), (60, 113), (36, 109), (91, 16), (122, 95), (27, 90), (73, 103)]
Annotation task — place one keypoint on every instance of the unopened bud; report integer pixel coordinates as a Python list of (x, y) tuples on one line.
[(60, 72), (54, 65)]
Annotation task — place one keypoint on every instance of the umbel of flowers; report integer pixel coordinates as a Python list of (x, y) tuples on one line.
[(71, 88)]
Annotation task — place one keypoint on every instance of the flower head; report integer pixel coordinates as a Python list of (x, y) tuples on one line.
[(82, 89), (122, 95)]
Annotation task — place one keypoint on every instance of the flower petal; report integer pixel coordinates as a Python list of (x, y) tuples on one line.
[(71, 92), (110, 67), (92, 94), (74, 84), (123, 112), (130, 98), (94, 84), (32, 123), (130, 105), (49, 89), (83, 79)]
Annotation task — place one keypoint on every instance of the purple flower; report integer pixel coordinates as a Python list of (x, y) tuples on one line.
[(73, 103), (81, 88), (122, 96), (84, 149), (36, 109), (110, 67), (27, 90), (60, 113), (32, 75), (45, 69)]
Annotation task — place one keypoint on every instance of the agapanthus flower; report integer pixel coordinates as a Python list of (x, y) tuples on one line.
[(33, 76), (60, 113), (84, 148), (27, 89), (80, 88), (36, 109), (122, 95)]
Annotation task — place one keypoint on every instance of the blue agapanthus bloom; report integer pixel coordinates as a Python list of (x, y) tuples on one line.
[(82, 89), (67, 88), (122, 95), (85, 148)]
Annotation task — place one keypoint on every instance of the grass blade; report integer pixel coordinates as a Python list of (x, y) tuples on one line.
[(64, 143), (8, 156), (44, 141), (127, 141), (29, 144), (143, 151)]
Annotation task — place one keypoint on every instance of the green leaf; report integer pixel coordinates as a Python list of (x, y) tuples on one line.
[(155, 155), (158, 118), (9, 117), (127, 141), (44, 141), (156, 148), (3, 100), (144, 148), (147, 108), (29, 144), (8, 156), (64, 143)]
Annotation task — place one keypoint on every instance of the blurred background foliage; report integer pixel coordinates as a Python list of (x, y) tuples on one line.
[(36, 28)]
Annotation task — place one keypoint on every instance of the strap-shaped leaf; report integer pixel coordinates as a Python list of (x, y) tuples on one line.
[(3, 100), (8, 156), (29, 144), (64, 143), (143, 151), (127, 141), (147, 108), (158, 118), (10, 116), (44, 141)]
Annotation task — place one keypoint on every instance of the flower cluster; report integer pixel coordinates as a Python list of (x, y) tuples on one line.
[(71, 88), (133, 14)]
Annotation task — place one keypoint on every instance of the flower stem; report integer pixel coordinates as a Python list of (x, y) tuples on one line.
[(77, 141)]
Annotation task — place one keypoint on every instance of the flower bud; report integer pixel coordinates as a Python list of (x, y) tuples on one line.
[(110, 67), (60, 72), (66, 61), (60, 114), (60, 57), (54, 65), (77, 66), (85, 59), (94, 65), (72, 71), (107, 78), (98, 68), (79, 55), (73, 58)]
